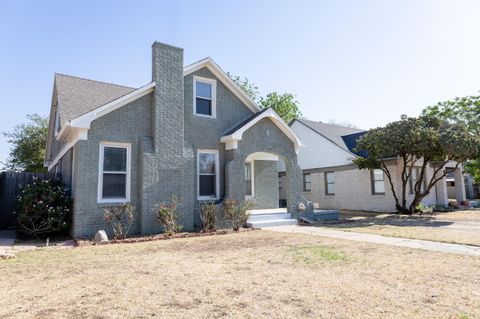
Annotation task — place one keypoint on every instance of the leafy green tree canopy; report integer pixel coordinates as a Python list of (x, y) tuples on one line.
[(28, 145), (284, 104), (426, 141), (465, 110)]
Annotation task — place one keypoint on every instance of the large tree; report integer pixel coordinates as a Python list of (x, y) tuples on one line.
[(285, 104), (28, 145), (464, 110), (426, 141)]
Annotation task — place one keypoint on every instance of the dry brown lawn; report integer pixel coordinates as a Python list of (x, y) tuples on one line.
[(247, 275), (458, 227)]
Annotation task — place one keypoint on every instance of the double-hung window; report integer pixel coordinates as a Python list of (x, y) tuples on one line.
[(114, 173), (204, 93), (208, 178), (330, 183), (378, 182), (307, 182), (248, 179)]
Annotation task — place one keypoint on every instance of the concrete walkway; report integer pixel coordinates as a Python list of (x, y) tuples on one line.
[(7, 238), (377, 239)]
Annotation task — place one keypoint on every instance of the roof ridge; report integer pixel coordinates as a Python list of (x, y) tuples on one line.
[(85, 79), (331, 124)]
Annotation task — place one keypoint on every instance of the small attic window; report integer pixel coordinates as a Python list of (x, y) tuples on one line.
[(57, 123)]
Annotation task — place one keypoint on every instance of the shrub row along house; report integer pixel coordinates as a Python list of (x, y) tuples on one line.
[(191, 132), (332, 181)]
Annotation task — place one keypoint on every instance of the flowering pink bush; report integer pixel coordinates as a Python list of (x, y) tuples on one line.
[(43, 207)]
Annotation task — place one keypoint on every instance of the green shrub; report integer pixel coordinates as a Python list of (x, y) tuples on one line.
[(43, 208), (120, 218), (207, 215), (442, 209), (423, 209), (167, 216), (237, 213)]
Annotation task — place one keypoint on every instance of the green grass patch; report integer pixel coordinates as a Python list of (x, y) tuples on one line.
[(310, 255)]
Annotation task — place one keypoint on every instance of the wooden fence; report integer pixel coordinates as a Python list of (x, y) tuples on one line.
[(10, 183)]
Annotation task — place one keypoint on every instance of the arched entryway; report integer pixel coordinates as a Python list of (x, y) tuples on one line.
[(262, 139), (261, 180)]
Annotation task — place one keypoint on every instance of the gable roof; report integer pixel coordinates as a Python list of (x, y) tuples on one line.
[(331, 132), (234, 135), (226, 80), (77, 96), (244, 122)]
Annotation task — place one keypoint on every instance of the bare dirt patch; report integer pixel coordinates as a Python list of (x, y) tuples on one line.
[(246, 275), (458, 227)]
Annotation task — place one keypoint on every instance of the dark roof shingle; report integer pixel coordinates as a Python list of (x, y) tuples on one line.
[(77, 96)]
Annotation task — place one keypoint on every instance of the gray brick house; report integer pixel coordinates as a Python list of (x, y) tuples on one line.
[(191, 132)]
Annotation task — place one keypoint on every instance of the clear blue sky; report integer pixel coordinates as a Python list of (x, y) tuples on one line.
[(362, 62)]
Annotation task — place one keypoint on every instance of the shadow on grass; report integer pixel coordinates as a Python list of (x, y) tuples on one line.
[(349, 219)]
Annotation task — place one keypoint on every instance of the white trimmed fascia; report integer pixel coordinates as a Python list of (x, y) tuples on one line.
[(86, 119), (231, 141), (226, 80)]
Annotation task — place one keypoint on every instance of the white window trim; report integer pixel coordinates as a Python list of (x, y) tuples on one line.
[(217, 174), (213, 83), (303, 182), (100, 199), (252, 180)]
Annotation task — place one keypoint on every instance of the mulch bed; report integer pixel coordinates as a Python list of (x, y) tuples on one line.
[(82, 243)]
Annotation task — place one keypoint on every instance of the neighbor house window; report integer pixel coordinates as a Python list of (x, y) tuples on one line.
[(378, 182), (208, 179), (248, 179), (330, 183), (414, 177), (114, 173), (204, 92), (307, 182)]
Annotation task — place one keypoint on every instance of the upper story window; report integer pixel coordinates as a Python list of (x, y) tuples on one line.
[(378, 182), (307, 182), (330, 183), (114, 173), (208, 174), (204, 95)]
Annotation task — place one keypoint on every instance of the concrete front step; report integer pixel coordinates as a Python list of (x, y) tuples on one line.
[(273, 223), (270, 216)]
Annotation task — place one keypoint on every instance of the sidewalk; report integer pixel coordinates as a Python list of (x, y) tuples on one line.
[(377, 239), (7, 237)]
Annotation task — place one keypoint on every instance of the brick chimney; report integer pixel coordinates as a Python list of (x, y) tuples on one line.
[(168, 118)]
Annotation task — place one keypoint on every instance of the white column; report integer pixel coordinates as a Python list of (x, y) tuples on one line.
[(459, 186), (469, 186), (441, 192)]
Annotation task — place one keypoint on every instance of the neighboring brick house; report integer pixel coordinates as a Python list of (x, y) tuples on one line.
[(191, 132), (332, 181)]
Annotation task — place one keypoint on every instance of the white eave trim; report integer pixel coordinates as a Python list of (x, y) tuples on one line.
[(231, 140), (226, 80), (73, 137), (86, 119)]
